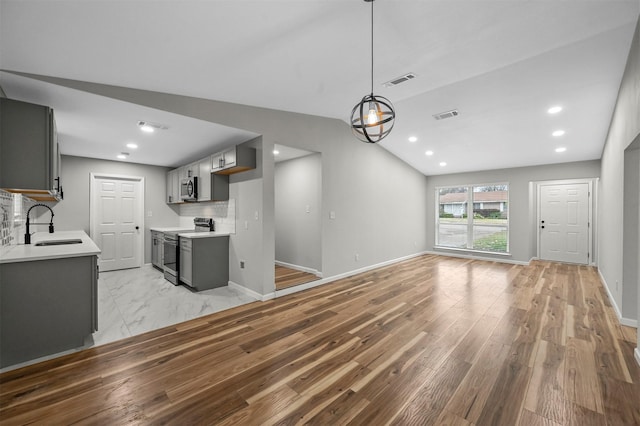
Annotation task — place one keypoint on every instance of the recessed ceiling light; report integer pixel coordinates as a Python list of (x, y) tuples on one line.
[(413, 139), (442, 164), (429, 153), (558, 133), (554, 109), (132, 145), (123, 155), (276, 152), (561, 149)]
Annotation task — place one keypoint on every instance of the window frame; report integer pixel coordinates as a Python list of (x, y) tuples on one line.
[(469, 225)]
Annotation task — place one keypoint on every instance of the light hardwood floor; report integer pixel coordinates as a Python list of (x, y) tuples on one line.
[(432, 340), (287, 277)]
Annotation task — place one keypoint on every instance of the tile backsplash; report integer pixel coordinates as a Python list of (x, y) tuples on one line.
[(222, 212), (13, 215)]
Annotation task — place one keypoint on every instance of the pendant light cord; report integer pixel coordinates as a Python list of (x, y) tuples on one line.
[(372, 47)]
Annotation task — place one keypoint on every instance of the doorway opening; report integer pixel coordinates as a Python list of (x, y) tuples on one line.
[(298, 219)]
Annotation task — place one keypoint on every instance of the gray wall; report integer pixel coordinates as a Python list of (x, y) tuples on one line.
[(72, 213), (522, 202), (379, 202), (624, 128), (298, 235), (631, 243)]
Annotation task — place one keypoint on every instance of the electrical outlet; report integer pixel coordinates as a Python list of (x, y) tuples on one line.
[(616, 286), (357, 257), (149, 213), (255, 215), (332, 215), (242, 264), (246, 224), (308, 208)]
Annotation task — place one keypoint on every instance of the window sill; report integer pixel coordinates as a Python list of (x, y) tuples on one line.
[(471, 251)]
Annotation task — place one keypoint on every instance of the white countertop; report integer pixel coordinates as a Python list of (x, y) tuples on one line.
[(29, 252), (172, 229), (204, 234)]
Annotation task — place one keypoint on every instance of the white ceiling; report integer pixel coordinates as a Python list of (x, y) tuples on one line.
[(500, 63)]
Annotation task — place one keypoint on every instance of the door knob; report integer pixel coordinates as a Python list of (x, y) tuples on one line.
[(137, 227), (542, 227)]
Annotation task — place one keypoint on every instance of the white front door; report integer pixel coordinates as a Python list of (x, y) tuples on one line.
[(563, 222), (117, 220)]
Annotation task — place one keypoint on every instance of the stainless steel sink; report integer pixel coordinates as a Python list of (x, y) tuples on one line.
[(59, 242)]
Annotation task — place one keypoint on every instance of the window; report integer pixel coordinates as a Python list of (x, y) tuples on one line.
[(473, 217)]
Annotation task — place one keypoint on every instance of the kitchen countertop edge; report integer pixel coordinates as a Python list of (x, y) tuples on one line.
[(171, 229), (214, 234), (31, 252)]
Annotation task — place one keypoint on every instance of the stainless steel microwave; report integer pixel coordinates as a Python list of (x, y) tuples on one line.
[(189, 189)]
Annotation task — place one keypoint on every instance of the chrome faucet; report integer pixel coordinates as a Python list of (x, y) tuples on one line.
[(27, 235)]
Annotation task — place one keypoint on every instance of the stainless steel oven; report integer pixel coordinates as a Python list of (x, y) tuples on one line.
[(171, 245), (171, 257)]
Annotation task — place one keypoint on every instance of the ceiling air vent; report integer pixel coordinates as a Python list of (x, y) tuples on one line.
[(399, 80), (446, 114), (153, 125)]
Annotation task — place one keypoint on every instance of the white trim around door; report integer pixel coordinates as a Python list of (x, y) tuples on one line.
[(590, 225), (122, 198)]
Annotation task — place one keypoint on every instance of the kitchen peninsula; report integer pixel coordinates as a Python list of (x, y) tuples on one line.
[(48, 295)]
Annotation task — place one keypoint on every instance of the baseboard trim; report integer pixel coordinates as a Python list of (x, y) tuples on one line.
[(637, 354), (312, 284), (300, 268), (624, 321), (251, 293), (475, 257)]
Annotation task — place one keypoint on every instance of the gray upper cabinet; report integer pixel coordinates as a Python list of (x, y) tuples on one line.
[(204, 179), (234, 160), (29, 154), (212, 187), (173, 187)]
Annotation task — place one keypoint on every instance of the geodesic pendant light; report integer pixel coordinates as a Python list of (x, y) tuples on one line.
[(373, 117)]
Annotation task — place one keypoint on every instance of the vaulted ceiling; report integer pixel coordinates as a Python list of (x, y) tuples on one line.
[(501, 64)]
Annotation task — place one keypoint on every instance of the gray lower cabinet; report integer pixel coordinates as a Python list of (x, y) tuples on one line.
[(157, 249), (204, 262), (46, 307)]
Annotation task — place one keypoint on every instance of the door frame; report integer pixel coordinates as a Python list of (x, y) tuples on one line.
[(92, 207), (593, 199)]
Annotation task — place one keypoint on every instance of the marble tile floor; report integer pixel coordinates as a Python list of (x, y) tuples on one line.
[(134, 301)]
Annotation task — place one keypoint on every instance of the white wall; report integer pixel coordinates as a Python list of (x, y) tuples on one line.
[(522, 207), (624, 128), (298, 235), (72, 213)]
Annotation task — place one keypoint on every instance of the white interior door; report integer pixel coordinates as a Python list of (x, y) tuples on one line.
[(563, 222), (117, 221)]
